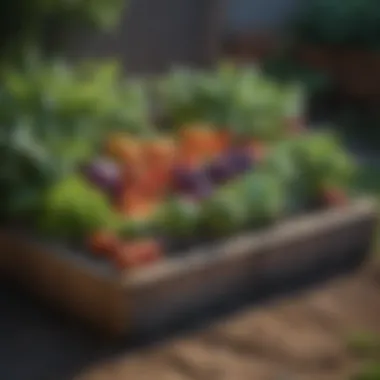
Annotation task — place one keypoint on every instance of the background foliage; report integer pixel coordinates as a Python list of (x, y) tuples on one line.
[(26, 24), (51, 111)]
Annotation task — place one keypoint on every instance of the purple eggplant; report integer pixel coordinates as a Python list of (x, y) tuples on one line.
[(103, 173), (220, 170), (229, 165), (194, 183), (203, 189), (241, 161)]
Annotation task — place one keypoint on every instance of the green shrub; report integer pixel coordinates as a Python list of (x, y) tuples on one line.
[(243, 99)]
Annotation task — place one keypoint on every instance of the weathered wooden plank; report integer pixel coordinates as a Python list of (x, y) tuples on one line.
[(114, 302)]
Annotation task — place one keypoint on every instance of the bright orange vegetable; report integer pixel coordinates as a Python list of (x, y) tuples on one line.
[(223, 141), (189, 157), (160, 152), (200, 140), (133, 175), (125, 148), (135, 204), (156, 181)]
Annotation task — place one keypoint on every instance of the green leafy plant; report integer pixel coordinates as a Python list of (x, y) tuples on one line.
[(309, 164), (239, 98), (96, 94), (323, 160), (72, 208), (52, 116)]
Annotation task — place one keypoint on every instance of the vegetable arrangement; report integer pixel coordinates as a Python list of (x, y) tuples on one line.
[(228, 159), (142, 197)]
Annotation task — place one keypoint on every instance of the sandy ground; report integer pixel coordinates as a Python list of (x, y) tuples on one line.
[(303, 337)]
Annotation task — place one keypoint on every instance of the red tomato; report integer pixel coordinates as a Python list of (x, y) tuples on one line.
[(102, 242), (138, 253)]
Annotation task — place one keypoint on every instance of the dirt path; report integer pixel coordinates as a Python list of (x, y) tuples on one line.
[(298, 338)]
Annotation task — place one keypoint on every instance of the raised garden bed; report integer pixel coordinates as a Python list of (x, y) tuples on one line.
[(121, 302), (146, 225)]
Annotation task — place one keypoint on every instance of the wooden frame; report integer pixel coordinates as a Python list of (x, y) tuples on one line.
[(117, 303)]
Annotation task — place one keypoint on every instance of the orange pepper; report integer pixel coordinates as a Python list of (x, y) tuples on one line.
[(223, 141), (156, 181), (160, 152), (189, 157), (200, 139), (135, 204), (133, 175), (125, 148), (204, 142)]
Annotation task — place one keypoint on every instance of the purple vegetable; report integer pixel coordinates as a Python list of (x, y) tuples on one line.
[(241, 161), (194, 183), (103, 173), (183, 179), (229, 165), (220, 170), (203, 189)]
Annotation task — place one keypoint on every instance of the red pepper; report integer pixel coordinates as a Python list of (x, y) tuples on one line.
[(138, 253)]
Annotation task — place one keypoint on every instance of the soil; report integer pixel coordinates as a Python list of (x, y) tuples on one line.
[(302, 337)]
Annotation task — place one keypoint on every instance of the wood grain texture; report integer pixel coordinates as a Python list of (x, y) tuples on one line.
[(114, 303), (178, 285), (94, 297)]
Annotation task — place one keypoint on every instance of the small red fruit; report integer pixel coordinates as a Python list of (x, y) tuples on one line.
[(103, 242), (334, 197), (138, 253)]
